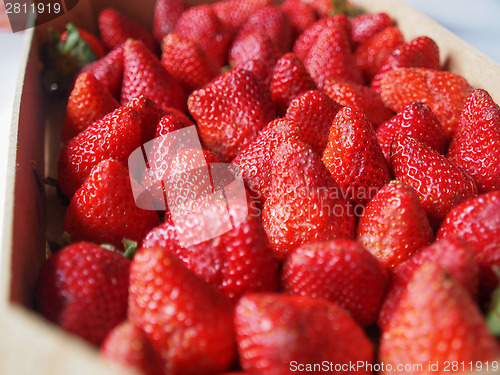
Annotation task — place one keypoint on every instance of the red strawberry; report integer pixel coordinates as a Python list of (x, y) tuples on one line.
[(476, 145), (129, 346), (300, 14), (436, 322), (261, 68), (371, 55), (160, 182), (273, 329), (103, 210), (115, 136), (143, 74), (453, 254), (83, 288), (201, 25), (252, 45), (314, 112), (234, 13), (230, 111), (88, 102), (478, 222), (173, 120), (64, 56), (330, 57), (417, 121), (165, 16), (353, 94), (290, 79), (92, 41), (308, 119), (188, 322), (421, 52), (305, 203), (307, 39), (150, 115), (108, 70), (354, 157), (186, 61), (341, 271), (367, 25), (271, 21), (236, 262), (444, 92), (115, 28), (439, 183), (255, 162), (394, 225)]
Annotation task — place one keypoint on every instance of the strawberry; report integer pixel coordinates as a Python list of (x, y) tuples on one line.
[(272, 329), (236, 262), (353, 94), (372, 54), (108, 70), (393, 241), (476, 145), (255, 162), (87, 103), (314, 112), (165, 16), (153, 168), (252, 45), (115, 136), (341, 271), (290, 79), (439, 183), (478, 222), (186, 61), (171, 121), (92, 41), (444, 92), (150, 115), (308, 118), (129, 346), (65, 55), (263, 69), (189, 324), (423, 329), (230, 111), (354, 157), (308, 38), (83, 288), (300, 15), (143, 74), (330, 57), (201, 25), (115, 28), (305, 203), (103, 210), (453, 254), (421, 52), (234, 13), (367, 25), (416, 120), (271, 21)]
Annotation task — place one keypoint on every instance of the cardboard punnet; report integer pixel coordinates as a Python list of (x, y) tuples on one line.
[(28, 343)]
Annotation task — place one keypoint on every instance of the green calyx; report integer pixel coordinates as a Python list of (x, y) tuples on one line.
[(63, 59)]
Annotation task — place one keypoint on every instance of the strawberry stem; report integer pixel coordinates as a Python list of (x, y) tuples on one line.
[(493, 315), (131, 248)]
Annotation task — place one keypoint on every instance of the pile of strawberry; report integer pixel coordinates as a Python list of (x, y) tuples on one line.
[(373, 197)]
